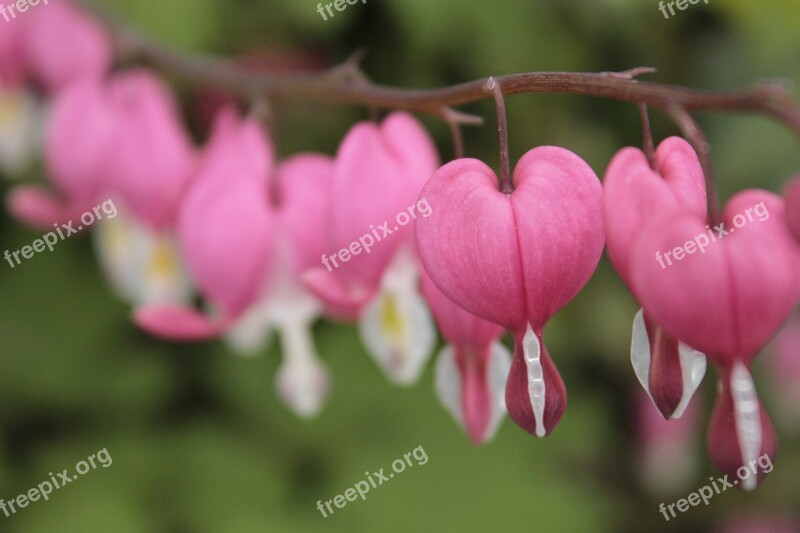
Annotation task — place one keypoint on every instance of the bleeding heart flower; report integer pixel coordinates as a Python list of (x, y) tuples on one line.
[(62, 43), (792, 199), (727, 300), (75, 163), (471, 371), (246, 239), (378, 174), (635, 194), (516, 259)]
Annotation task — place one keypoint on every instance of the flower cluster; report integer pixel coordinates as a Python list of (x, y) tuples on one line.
[(231, 226)]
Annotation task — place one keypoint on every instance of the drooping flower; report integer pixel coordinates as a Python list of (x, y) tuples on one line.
[(62, 44), (134, 151), (372, 273), (246, 233), (471, 371), (727, 300), (516, 259), (635, 194)]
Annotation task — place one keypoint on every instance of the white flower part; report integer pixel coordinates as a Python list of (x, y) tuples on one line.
[(640, 351), (143, 266), (693, 364), (536, 387), (693, 369), (396, 327), (747, 416), (21, 125), (448, 386), (303, 381)]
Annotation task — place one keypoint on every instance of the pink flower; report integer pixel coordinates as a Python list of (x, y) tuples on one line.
[(472, 369), (246, 233), (635, 194), (516, 259), (726, 300), (63, 44), (379, 171)]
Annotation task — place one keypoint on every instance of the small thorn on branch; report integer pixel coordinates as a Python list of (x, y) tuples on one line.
[(631, 73)]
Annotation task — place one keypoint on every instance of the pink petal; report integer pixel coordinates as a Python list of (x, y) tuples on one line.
[(62, 44), (151, 160), (729, 300), (635, 194), (178, 323), (36, 207)]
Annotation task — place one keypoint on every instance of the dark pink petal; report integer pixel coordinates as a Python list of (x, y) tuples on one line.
[(536, 397)]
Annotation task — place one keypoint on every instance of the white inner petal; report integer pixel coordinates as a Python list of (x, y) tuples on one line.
[(396, 327), (536, 385), (640, 351), (693, 369), (303, 381), (747, 417), (499, 367), (448, 383)]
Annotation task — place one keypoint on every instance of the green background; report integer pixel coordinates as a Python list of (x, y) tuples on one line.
[(199, 441)]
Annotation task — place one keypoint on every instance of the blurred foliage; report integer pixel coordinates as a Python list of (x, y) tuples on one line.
[(199, 441)]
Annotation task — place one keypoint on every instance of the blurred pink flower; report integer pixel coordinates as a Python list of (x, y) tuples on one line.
[(471, 371), (635, 194), (379, 171), (247, 232)]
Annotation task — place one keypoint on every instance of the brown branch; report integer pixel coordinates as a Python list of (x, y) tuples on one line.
[(347, 84)]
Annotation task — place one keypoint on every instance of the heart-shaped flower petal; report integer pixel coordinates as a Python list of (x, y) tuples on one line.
[(379, 172), (516, 259), (723, 290)]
